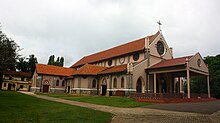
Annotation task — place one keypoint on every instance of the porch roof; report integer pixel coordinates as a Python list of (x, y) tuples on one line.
[(171, 62), (194, 63)]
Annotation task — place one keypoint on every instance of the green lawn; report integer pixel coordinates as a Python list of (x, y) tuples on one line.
[(19, 108), (123, 102)]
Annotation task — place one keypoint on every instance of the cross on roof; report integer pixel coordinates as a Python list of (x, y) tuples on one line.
[(159, 23)]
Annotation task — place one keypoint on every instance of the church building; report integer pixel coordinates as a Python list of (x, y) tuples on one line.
[(145, 65)]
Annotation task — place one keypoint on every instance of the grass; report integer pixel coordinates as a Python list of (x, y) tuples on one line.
[(19, 108), (123, 102)]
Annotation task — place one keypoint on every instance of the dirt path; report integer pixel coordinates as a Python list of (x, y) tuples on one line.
[(141, 115)]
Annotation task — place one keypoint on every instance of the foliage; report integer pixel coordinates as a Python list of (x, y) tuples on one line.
[(199, 84), (51, 60), (22, 65), (19, 108), (214, 72), (102, 100), (58, 62), (8, 52), (26, 64), (32, 60)]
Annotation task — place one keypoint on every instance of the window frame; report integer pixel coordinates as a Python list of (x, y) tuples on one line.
[(115, 83), (94, 83), (122, 84), (63, 83), (57, 83)]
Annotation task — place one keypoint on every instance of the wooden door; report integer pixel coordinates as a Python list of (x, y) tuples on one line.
[(45, 88)]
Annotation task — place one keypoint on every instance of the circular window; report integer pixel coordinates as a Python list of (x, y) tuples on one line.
[(122, 60), (136, 56), (199, 62), (160, 48), (109, 62)]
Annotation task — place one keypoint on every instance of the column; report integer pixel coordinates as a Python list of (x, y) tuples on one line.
[(178, 85), (148, 83), (208, 87), (155, 83), (181, 84), (188, 83)]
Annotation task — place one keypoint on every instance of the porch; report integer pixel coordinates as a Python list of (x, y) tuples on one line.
[(171, 78)]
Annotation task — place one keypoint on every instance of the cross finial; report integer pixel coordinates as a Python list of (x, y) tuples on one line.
[(159, 23)]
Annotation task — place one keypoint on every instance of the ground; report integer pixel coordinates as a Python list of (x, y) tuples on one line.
[(148, 114), (122, 102), (19, 108), (196, 107)]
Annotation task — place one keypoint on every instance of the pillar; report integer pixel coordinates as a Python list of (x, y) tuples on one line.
[(178, 85), (208, 86), (148, 83), (188, 84), (181, 85), (155, 83)]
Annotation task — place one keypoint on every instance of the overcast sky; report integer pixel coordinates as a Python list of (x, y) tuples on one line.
[(76, 28)]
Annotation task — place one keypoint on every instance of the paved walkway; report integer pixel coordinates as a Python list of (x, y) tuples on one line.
[(141, 115), (209, 107)]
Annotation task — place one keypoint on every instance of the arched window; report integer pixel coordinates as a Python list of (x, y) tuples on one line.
[(63, 82), (110, 63), (136, 56), (122, 82), (94, 83), (57, 83), (115, 83)]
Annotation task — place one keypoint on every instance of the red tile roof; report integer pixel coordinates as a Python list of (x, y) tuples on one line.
[(89, 69), (17, 74), (123, 49), (115, 69), (171, 62), (54, 70)]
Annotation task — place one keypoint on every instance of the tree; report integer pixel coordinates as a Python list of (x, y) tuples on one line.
[(214, 72), (26, 64), (61, 61), (58, 62), (199, 84), (32, 60), (51, 60), (22, 65), (8, 54)]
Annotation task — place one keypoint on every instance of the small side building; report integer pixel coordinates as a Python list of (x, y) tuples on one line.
[(48, 78), (16, 81)]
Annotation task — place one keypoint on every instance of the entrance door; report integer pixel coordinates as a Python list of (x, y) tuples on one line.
[(139, 86), (68, 89), (104, 88), (9, 86), (45, 88)]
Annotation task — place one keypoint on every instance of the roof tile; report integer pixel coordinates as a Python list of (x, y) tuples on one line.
[(54, 70), (89, 69), (171, 62), (17, 74), (114, 69), (123, 49)]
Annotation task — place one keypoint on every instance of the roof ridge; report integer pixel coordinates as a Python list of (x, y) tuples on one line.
[(129, 47), (53, 66), (115, 46)]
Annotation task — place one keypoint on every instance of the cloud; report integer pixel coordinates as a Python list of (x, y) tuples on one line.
[(74, 29)]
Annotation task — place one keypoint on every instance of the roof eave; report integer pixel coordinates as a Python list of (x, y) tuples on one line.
[(149, 69)]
